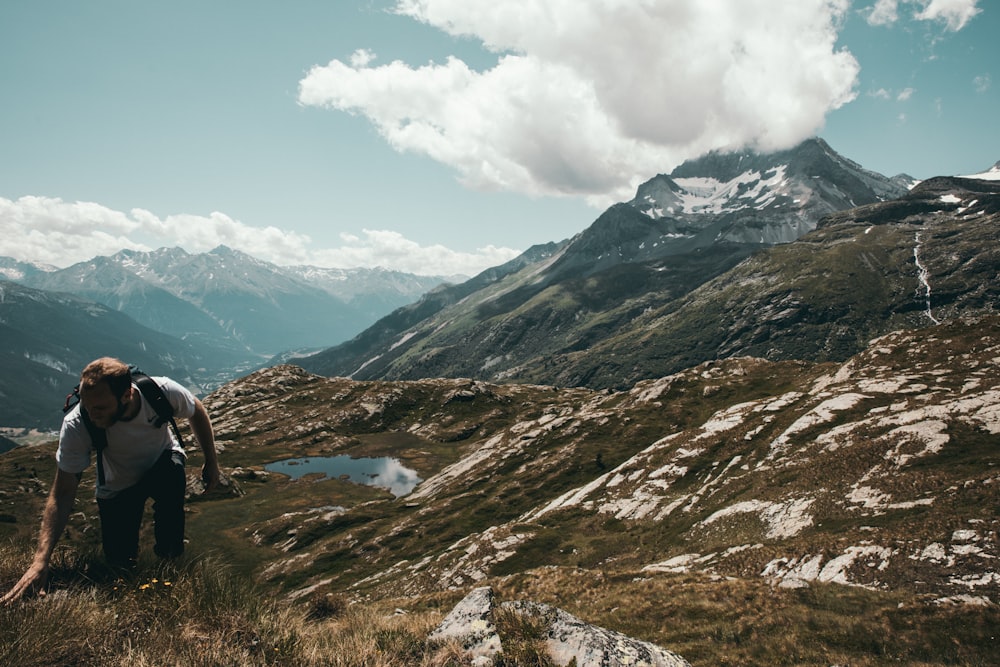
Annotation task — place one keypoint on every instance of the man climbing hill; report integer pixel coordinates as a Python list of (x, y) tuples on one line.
[(125, 418)]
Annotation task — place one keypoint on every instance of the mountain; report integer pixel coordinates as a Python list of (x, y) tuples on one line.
[(46, 338), (924, 258), (638, 259), (750, 198), (225, 298), (11, 269), (110, 281), (6, 444)]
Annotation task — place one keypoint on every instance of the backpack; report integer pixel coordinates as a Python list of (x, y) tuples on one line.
[(153, 394)]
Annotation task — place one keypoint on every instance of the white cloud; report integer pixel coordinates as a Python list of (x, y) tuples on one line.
[(52, 231), (362, 58), (380, 247), (885, 12), (903, 95), (590, 97), (982, 83), (955, 13)]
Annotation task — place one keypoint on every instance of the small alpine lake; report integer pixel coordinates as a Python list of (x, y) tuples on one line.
[(383, 471)]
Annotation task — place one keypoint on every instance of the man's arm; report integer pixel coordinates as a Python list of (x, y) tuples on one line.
[(54, 520), (201, 424)]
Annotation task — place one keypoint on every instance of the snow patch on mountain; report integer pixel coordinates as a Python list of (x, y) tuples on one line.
[(750, 189), (991, 174)]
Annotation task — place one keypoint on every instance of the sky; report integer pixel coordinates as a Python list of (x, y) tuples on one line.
[(443, 137)]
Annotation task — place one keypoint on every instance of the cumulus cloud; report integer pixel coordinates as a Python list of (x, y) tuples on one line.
[(955, 14), (53, 231), (590, 97), (982, 83)]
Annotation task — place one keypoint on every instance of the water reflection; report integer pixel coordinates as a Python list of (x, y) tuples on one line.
[(384, 472)]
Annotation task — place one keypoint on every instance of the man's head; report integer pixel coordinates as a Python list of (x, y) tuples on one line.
[(106, 390)]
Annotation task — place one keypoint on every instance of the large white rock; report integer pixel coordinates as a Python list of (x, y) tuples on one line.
[(567, 637)]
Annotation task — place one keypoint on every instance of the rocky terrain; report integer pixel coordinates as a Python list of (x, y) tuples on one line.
[(697, 490), (880, 472)]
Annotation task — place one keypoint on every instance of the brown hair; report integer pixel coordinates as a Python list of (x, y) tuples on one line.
[(115, 372)]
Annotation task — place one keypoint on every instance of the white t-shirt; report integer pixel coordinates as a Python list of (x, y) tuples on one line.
[(134, 446)]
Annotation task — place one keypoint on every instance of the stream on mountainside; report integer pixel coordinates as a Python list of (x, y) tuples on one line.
[(382, 471)]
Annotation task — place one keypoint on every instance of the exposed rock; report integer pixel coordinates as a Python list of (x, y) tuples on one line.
[(227, 487), (470, 622), (571, 639), (568, 638)]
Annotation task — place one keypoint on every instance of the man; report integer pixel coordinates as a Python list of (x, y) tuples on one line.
[(140, 461)]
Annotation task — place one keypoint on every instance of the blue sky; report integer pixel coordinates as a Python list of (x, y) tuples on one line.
[(446, 136)]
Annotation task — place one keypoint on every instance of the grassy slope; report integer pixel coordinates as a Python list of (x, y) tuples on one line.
[(228, 599)]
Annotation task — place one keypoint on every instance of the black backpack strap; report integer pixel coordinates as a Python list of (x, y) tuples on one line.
[(153, 393), (98, 436), (99, 439)]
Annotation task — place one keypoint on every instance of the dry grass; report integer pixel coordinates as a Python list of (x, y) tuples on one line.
[(198, 613), (724, 621), (202, 613)]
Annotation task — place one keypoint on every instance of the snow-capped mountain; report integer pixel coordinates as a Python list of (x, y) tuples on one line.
[(751, 198), (230, 299), (11, 269), (673, 278), (201, 318)]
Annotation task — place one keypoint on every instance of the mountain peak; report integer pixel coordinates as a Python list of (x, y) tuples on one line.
[(762, 198)]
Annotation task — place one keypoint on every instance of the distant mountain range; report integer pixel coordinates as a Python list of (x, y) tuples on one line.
[(201, 318), (801, 254), (230, 299)]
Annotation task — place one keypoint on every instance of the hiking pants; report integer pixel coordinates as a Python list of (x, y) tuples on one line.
[(121, 516)]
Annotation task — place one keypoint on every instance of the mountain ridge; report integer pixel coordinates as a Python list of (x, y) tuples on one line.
[(637, 258), (233, 300)]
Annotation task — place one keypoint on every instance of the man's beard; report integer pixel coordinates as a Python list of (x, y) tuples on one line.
[(122, 409)]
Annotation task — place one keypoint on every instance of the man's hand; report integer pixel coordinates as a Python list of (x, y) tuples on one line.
[(55, 516), (210, 476), (201, 424), (32, 583)]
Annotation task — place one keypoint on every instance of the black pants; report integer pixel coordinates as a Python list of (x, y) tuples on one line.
[(121, 516)]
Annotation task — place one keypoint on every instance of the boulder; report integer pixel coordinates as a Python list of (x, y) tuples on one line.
[(471, 624), (567, 638)]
